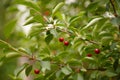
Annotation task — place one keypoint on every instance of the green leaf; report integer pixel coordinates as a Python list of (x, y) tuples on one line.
[(57, 8), (78, 76), (29, 21), (49, 38), (74, 62), (83, 69), (45, 65), (50, 75), (63, 55), (89, 58), (66, 70), (28, 3), (115, 21), (12, 55), (12, 77), (60, 16), (75, 18), (23, 50), (37, 16), (48, 32), (20, 69), (93, 21), (104, 33), (107, 6), (118, 3), (58, 73), (115, 64), (9, 27), (54, 32), (2, 58), (28, 70), (94, 32), (113, 46), (106, 38), (45, 51), (92, 6), (94, 74), (36, 29), (40, 77), (110, 74)]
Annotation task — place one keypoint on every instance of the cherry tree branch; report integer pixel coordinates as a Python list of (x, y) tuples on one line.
[(14, 49), (113, 6), (115, 12), (99, 69)]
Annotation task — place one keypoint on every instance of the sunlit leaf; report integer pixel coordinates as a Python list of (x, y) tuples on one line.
[(29, 21), (66, 70), (93, 21), (57, 7), (45, 65), (12, 55), (20, 69), (110, 73)]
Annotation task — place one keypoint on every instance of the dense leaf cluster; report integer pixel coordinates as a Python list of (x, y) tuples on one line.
[(87, 25)]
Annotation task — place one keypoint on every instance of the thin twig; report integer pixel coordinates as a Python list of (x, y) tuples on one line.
[(115, 12), (113, 6), (89, 41), (99, 69), (81, 38), (14, 49)]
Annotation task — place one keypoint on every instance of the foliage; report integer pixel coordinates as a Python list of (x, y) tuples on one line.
[(86, 24)]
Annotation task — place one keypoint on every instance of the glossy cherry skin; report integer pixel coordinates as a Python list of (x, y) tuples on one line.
[(61, 39), (36, 71), (66, 43), (97, 51)]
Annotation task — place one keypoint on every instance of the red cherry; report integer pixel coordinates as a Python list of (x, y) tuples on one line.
[(66, 43), (46, 13), (89, 55), (36, 71), (61, 39), (97, 51)]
